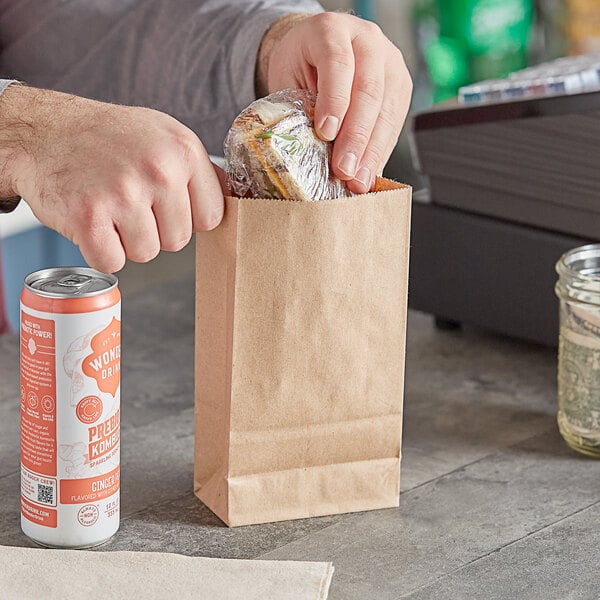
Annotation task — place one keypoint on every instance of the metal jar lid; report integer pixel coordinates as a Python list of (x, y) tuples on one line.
[(70, 282)]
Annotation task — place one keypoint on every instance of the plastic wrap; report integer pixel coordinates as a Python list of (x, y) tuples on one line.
[(272, 151)]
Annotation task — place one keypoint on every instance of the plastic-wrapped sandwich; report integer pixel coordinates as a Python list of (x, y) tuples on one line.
[(272, 151)]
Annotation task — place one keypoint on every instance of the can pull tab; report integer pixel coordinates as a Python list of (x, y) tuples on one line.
[(75, 281)]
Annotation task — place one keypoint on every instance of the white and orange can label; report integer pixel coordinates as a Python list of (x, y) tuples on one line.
[(70, 407)]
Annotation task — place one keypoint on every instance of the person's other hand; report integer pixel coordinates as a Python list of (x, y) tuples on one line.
[(362, 83), (120, 182)]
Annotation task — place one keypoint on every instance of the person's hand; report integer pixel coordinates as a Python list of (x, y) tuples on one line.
[(362, 83), (120, 182)]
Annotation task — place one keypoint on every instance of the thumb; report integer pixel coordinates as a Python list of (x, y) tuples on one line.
[(222, 177)]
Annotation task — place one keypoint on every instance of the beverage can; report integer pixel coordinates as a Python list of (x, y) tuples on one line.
[(70, 407)]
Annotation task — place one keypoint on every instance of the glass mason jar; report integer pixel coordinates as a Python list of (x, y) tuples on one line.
[(578, 289)]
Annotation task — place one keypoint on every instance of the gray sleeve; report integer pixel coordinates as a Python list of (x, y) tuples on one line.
[(194, 59)]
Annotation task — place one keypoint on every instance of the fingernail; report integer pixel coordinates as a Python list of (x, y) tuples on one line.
[(364, 176), (348, 164), (216, 216), (329, 127)]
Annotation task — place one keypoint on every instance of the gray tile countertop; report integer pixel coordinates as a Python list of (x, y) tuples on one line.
[(493, 504)]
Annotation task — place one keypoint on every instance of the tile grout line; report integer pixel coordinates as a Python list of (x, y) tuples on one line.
[(340, 522), (9, 474), (159, 503), (130, 428), (474, 462), (498, 451), (181, 496), (499, 549)]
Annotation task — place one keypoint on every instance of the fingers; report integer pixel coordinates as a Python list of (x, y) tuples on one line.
[(333, 58), (115, 230), (206, 188), (222, 177), (365, 106), (364, 92), (196, 205), (174, 219), (102, 249), (138, 231), (188, 195), (385, 134)]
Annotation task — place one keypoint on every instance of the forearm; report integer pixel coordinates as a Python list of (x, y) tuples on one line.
[(15, 132)]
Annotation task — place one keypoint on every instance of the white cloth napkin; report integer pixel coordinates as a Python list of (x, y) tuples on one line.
[(31, 574)]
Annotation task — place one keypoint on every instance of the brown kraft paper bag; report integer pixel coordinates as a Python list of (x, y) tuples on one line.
[(300, 343)]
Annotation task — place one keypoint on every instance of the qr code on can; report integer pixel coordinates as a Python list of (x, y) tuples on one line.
[(45, 494)]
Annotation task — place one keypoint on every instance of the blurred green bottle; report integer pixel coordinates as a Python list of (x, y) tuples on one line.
[(476, 40)]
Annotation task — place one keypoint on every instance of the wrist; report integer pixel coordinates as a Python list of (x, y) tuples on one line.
[(16, 134), (273, 35)]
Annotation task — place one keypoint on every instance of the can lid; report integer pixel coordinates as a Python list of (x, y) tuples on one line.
[(69, 282)]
